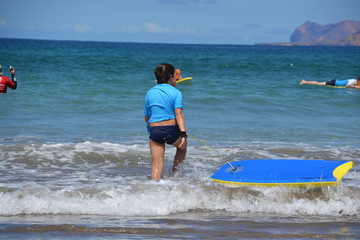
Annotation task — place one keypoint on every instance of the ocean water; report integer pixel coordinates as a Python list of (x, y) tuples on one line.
[(74, 155)]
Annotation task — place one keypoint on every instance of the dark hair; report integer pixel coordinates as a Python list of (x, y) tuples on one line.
[(163, 72)]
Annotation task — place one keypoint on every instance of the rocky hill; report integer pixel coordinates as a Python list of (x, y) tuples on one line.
[(345, 33), (314, 32)]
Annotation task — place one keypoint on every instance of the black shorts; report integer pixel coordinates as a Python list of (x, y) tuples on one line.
[(331, 82), (165, 134)]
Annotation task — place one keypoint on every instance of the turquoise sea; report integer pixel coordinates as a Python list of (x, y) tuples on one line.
[(74, 155)]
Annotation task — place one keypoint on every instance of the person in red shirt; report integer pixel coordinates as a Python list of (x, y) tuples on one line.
[(5, 82)]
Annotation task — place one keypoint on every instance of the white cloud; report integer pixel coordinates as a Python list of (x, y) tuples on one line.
[(151, 27), (253, 26), (190, 31), (3, 23), (184, 2), (154, 28), (131, 29), (82, 28)]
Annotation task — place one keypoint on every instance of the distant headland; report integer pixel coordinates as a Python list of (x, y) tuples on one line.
[(345, 33)]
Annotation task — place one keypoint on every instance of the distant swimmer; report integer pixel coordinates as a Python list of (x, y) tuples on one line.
[(5, 82), (165, 119), (349, 83), (178, 74)]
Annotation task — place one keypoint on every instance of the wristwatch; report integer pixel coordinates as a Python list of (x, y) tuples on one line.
[(183, 134)]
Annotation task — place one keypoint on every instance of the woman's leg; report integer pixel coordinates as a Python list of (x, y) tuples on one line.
[(179, 156), (157, 154), (312, 82)]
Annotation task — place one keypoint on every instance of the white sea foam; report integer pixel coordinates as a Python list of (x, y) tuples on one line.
[(113, 179), (175, 196)]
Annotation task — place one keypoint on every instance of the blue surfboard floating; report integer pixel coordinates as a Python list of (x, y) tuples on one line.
[(282, 172)]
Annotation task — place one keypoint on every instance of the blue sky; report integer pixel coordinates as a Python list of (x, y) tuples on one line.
[(168, 21)]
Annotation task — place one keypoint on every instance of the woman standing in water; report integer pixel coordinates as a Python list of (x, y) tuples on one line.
[(165, 119)]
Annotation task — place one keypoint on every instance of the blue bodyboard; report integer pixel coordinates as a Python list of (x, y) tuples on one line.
[(282, 172)]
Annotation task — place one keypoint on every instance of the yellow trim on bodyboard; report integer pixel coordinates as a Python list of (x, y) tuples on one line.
[(294, 184), (184, 79), (189, 79), (341, 170), (335, 86)]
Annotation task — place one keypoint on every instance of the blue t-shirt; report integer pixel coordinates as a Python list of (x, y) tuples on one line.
[(161, 102), (343, 83)]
